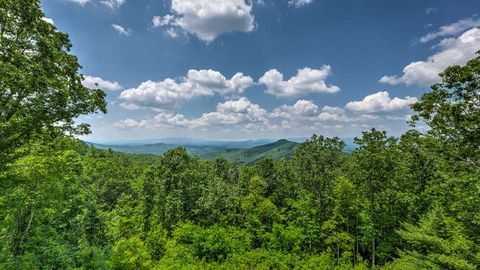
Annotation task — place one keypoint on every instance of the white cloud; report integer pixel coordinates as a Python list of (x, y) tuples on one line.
[(233, 112), (299, 3), (380, 102), (451, 29), (122, 30), (241, 105), (302, 108), (97, 82), (306, 81), (241, 116), (207, 19), (48, 20), (452, 51), (113, 4), (127, 123), (171, 33), (160, 120), (238, 83), (158, 21), (335, 114), (228, 113), (80, 2), (169, 93), (306, 113), (159, 95)]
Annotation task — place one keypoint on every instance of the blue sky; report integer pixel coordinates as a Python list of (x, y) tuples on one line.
[(235, 69)]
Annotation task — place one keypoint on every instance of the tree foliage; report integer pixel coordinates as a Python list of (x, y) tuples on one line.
[(41, 89)]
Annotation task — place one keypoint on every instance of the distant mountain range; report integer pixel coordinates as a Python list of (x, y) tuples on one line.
[(241, 152), (158, 148)]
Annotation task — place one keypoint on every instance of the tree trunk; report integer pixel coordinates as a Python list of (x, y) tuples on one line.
[(373, 233), (355, 247), (373, 250), (32, 208), (372, 206), (338, 253)]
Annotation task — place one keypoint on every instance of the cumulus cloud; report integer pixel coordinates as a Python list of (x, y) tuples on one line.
[(169, 92), (237, 116), (380, 102), (451, 29), (306, 81), (302, 108), (299, 3), (305, 112), (451, 51), (335, 114), (97, 82), (233, 112), (162, 119), (122, 30), (305, 115), (207, 19), (228, 113)]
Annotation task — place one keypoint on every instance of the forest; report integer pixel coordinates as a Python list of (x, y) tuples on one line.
[(407, 202)]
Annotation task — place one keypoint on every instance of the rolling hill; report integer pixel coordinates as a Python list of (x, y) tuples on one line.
[(276, 150), (233, 152), (159, 148)]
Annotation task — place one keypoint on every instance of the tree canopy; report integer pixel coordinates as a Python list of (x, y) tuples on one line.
[(41, 89)]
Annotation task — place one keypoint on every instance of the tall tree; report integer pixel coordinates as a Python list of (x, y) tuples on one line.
[(40, 87), (452, 110), (318, 160), (372, 173)]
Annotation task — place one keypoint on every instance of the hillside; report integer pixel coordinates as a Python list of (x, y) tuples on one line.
[(244, 156), (276, 150), (159, 148)]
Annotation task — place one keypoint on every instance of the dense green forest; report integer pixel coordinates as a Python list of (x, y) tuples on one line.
[(411, 202)]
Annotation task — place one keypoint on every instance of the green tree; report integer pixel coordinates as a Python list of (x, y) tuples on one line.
[(437, 242), (341, 231), (372, 171), (318, 161), (130, 254), (40, 88), (452, 110)]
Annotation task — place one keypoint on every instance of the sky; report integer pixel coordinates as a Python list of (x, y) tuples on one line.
[(238, 70)]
